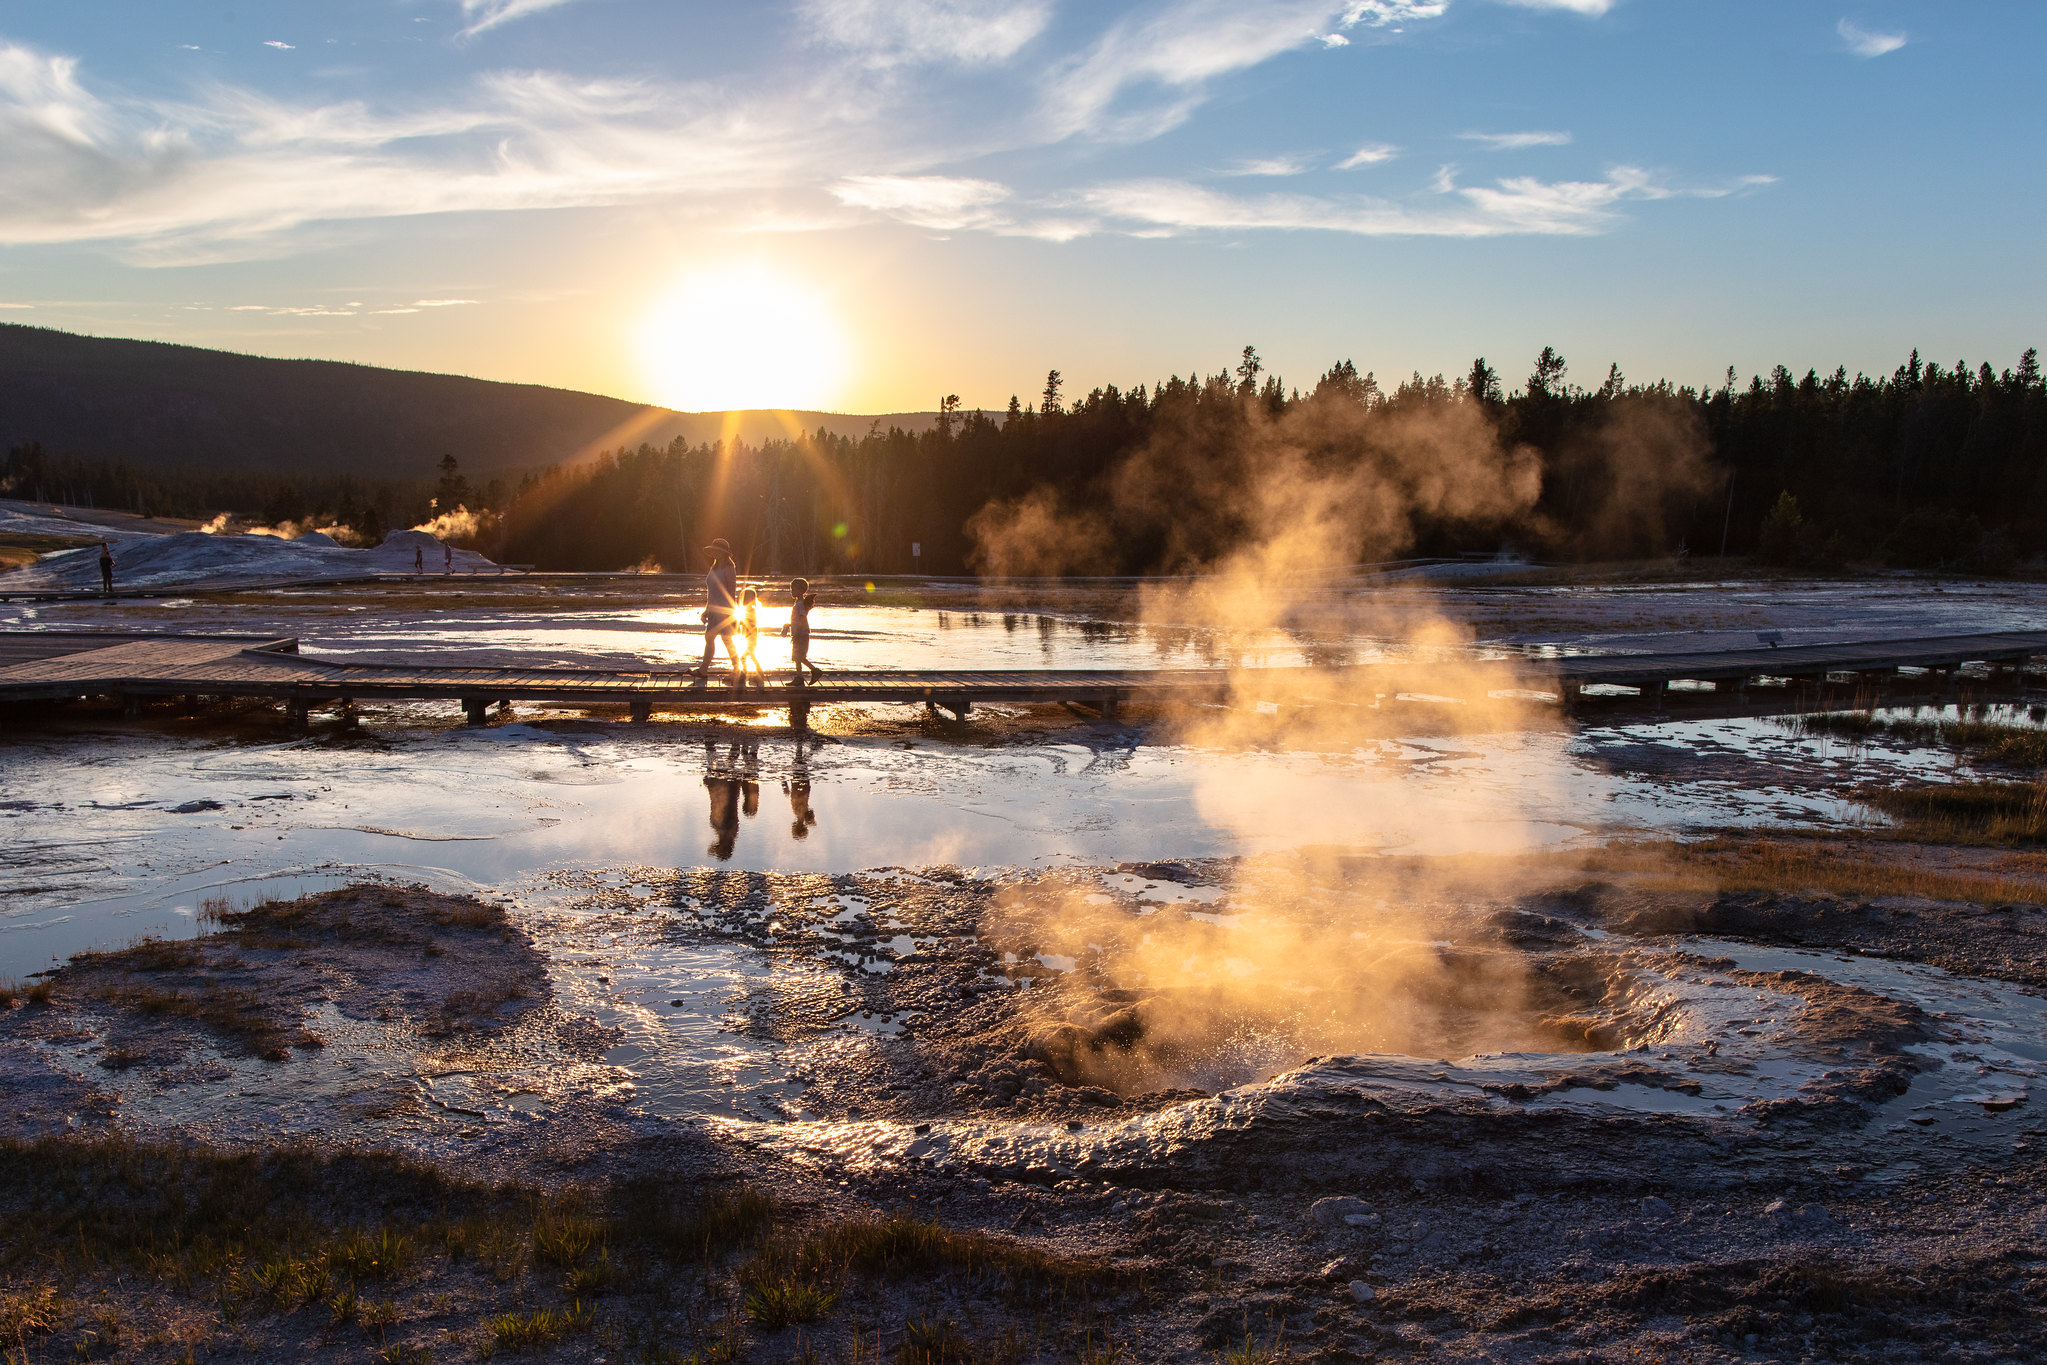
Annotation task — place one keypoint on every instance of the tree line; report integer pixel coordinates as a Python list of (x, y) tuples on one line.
[(1930, 466)]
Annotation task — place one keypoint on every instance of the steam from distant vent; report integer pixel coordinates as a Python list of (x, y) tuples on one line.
[(1639, 472), (460, 526)]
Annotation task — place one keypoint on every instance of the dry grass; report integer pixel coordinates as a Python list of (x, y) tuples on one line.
[(1794, 864), (2002, 742), (13, 993), (2000, 813), (233, 1012)]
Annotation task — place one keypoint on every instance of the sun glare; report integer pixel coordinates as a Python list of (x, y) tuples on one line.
[(743, 337)]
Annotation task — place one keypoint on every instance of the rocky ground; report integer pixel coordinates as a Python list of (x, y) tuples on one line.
[(1660, 1153)]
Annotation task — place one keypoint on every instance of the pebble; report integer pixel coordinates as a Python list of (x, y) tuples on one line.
[(1362, 1292), (1338, 1210)]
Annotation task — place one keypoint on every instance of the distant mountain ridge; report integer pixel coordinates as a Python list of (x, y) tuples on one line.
[(155, 403)]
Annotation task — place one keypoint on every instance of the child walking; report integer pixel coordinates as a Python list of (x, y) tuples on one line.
[(802, 599), (750, 626)]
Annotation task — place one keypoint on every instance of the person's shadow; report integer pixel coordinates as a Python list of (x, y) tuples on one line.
[(734, 787)]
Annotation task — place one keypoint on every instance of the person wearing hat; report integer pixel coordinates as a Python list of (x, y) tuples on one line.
[(721, 601)]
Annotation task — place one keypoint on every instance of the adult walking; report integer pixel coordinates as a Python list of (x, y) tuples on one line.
[(721, 602)]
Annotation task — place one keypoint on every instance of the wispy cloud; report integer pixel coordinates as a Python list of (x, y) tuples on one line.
[(1868, 42), (1522, 206), (1590, 8), (1509, 142), (891, 32), (943, 203), (1272, 165), (848, 135), (1371, 154), (1144, 77), (278, 43), (235, 166), (1388, 13), (1159, 207), (488, 14)]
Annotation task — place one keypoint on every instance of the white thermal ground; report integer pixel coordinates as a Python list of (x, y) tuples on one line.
[(190, 558)]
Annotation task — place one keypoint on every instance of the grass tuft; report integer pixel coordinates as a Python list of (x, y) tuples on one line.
[(365, 1256), (541, 1327), (686, 1221), (27, 1312), (898, 1246), (775, 1304), (2013, 745), (933, 1342), (1969, 812), (564, 1236)]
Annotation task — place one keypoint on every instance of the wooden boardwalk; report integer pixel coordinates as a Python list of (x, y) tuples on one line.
[(54, 666)]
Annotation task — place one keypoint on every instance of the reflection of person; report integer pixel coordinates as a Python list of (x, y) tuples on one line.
[(721, 599), (801, 816), (734, 786), (801, 600), (106, 568), (750, 626)]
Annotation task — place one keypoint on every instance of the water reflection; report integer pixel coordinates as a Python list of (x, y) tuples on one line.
[(733, 782), (797, 785)]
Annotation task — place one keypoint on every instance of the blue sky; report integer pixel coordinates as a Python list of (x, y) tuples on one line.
[(866, 205)]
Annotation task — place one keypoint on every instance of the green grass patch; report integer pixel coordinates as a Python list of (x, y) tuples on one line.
[(533, 1330), (773, 1304)]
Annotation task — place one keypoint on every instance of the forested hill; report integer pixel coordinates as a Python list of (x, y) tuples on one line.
[(152, 405)]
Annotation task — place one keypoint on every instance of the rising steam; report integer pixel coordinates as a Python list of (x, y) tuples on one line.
[(1307, 963)]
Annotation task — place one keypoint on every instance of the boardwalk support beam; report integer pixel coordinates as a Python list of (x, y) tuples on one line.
[(639, 708), (473, 708)]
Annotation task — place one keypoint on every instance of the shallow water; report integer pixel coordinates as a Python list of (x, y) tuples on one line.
[(119, 830)]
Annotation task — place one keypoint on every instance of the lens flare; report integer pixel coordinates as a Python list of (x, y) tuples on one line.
[(742, 337)]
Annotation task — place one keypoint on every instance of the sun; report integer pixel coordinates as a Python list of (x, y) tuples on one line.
[(742, 337)]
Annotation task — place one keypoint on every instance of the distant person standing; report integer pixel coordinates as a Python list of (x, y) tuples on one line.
[(447, 559), (801, 600), (106, 568), (721, 602), (419, 559)]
